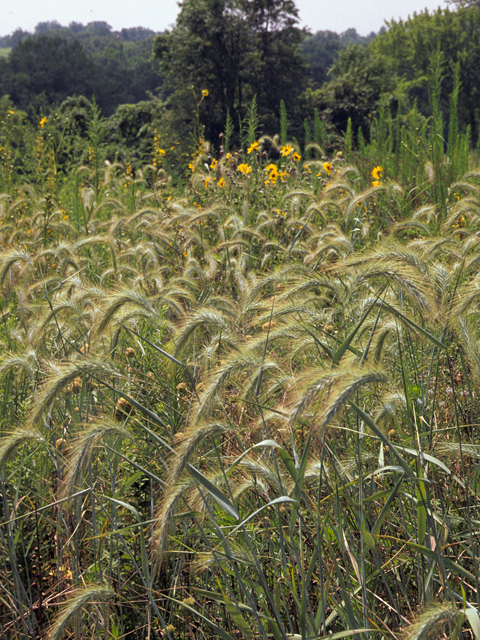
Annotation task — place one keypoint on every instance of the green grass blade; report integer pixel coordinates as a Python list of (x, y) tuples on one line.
[(214, 491)]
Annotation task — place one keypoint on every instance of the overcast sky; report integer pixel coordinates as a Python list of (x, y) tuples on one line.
[(363, 15)]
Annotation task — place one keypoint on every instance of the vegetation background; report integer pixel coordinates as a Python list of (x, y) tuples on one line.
[(239, 328)]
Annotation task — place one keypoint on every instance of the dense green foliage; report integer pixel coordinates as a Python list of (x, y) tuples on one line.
[(409, 47), (240, 50), (395, 67), (321, 49), (56, 62), (236, 50)]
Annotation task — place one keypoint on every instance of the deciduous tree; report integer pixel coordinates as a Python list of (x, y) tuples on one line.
[(235, 49)]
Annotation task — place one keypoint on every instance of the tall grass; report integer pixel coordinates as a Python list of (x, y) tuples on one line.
[(244, 406)]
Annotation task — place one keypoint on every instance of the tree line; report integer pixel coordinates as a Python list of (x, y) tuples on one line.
[(45, 67), (55, 62), (241, 52)]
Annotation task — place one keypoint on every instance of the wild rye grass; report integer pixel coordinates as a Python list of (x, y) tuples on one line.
[(247, 407)]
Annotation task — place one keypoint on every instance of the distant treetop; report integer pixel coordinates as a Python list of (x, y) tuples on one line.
[(77, 30)]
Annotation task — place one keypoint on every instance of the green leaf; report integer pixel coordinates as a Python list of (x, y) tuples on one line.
[(474, 620), (381, 436), (277, 596), (288, 462), (368, 538), (346, 343), (274, 628), (421, 510), (266, 443), (386, 506), (415, 326), (433, 460), (280, 500), (71, 410), (453, 566), (236, 616), (214, 491)]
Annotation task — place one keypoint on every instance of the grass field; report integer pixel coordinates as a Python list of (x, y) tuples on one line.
[(241, 405)]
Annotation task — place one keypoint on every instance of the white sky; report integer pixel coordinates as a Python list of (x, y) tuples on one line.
[(363, 15)]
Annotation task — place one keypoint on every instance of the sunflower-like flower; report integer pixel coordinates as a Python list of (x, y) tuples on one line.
[(254, 146), (328, 168), (377, 176)]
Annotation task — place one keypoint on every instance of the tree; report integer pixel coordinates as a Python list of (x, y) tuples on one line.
[(44, 70), (47, 66), (409, 46), (321, 49), (235, 49), (359, 78)]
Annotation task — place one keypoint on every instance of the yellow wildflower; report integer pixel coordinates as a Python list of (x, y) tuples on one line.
[(328, 168), (43, 121), (459, 224), (296, 156), (204, 93), (272, 174), (253, 146), (213, 164), (286, 150), (377, 176), (244, 168), (271, 168), (221, 183)]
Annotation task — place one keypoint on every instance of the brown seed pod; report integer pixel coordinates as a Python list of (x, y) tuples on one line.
[(123, 409)]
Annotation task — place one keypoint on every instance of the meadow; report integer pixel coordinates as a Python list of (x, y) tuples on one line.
[(243, 403)]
